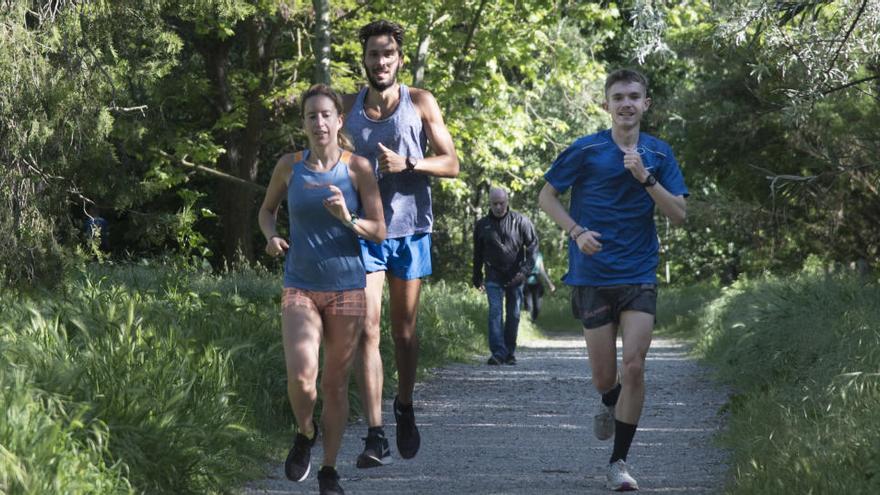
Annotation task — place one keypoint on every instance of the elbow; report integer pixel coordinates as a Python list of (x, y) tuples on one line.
[(454, 168), (678, 220), (379, 235), (542, 200)]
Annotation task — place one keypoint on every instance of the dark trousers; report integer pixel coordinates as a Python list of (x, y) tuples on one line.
[(504, 308), (532, 295)]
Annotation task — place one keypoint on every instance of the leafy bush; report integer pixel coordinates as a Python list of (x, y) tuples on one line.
[(803, 354)]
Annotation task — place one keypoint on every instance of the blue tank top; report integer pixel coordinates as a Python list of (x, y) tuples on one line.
[(324, 254), (406, 196)]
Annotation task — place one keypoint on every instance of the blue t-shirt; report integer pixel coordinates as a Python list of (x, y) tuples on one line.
[(606, 198)]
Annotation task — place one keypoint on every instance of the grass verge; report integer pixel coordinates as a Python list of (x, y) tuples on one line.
[(155, 378)]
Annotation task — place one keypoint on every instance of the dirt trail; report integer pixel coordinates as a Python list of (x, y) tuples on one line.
[(527, 429)]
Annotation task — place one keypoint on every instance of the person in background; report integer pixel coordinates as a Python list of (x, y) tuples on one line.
[(96, 228), (323, 302), (506, 243), (533, 291)]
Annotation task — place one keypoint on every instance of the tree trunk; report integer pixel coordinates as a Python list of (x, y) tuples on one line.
[(321, 44), (237, 203)]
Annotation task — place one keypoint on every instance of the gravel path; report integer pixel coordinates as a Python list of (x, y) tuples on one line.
[(527, 429)]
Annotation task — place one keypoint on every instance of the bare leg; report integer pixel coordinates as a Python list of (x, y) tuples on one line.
[(602, 349), (369, 372), (340, 345), (637, 328), (301, 336), (404, 295)]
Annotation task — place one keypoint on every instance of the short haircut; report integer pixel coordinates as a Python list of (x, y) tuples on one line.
[(380, 28), (626, 75)]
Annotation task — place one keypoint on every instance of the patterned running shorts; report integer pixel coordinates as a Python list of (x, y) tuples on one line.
[(335, 303)]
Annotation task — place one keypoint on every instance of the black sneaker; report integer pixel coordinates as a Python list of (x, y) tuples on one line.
[(376, 452), (298, 462), (511, 360), (493, 361), (328, 482), (408, 439)]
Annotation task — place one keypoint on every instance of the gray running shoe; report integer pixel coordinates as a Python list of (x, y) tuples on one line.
[(603, 422), (619, 479)]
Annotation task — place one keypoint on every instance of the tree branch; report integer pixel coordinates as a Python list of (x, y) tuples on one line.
[(214, 172), (850, 84), (847, 35)]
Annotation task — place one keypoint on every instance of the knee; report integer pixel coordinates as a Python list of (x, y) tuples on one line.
[(603, 381), (371, 335), (303, 383), (404, 339), (633, 372), (334, 387)]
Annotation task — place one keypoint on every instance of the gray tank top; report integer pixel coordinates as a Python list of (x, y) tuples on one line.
[(406, 196)]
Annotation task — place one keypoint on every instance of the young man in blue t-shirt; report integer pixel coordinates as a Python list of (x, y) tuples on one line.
[(617, 177)]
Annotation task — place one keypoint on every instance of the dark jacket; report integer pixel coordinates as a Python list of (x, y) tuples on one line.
[(507, 247)]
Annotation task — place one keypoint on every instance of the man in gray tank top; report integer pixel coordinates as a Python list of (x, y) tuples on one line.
[(393, 126)]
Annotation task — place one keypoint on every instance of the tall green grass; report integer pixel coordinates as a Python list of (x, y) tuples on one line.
[(803, 355), (157, 378)]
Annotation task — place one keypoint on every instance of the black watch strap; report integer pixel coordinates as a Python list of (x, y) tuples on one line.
[(410, 163), (650, 181)]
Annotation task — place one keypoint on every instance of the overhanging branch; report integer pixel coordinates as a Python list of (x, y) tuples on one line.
[(215, 173)]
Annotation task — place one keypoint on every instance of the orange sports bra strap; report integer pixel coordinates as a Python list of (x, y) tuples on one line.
[(346, 156), (297, 157)]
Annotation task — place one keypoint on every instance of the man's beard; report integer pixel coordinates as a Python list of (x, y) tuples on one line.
[(381, 86)]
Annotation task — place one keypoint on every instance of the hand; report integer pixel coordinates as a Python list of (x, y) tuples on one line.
[(553, 287), (389, 161), (587, 241), (335, 204), (276, 246), (632, 160), (517, 279)]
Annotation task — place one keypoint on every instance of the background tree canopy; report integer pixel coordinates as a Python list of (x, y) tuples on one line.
[(170, 115)]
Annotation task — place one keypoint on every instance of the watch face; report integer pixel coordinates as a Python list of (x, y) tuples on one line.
[(650, 180)]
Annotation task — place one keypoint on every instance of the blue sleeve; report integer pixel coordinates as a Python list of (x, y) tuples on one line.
[(566, 169), (670, 175)]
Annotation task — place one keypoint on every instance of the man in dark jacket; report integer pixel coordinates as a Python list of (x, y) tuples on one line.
[(506, 243)]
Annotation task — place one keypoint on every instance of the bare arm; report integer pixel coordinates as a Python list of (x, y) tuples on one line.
[(372, 226), (444, 162), (267, 216), (586, 239), (542, 272)]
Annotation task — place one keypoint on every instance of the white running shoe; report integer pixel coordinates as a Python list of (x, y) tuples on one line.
[(603, 422), (619, 479)]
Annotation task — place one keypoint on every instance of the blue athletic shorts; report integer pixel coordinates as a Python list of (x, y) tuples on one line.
[(406, 258)]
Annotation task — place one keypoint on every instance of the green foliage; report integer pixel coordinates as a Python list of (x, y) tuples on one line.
[(802, 354), (161, 378)]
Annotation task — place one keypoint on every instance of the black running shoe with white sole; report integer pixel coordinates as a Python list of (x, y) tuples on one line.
[(408, 438), (298, 463), (376, 452), (328, 482)]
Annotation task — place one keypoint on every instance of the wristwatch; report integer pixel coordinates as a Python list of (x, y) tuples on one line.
[(410, 163), (353, 221), (650, 181)]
